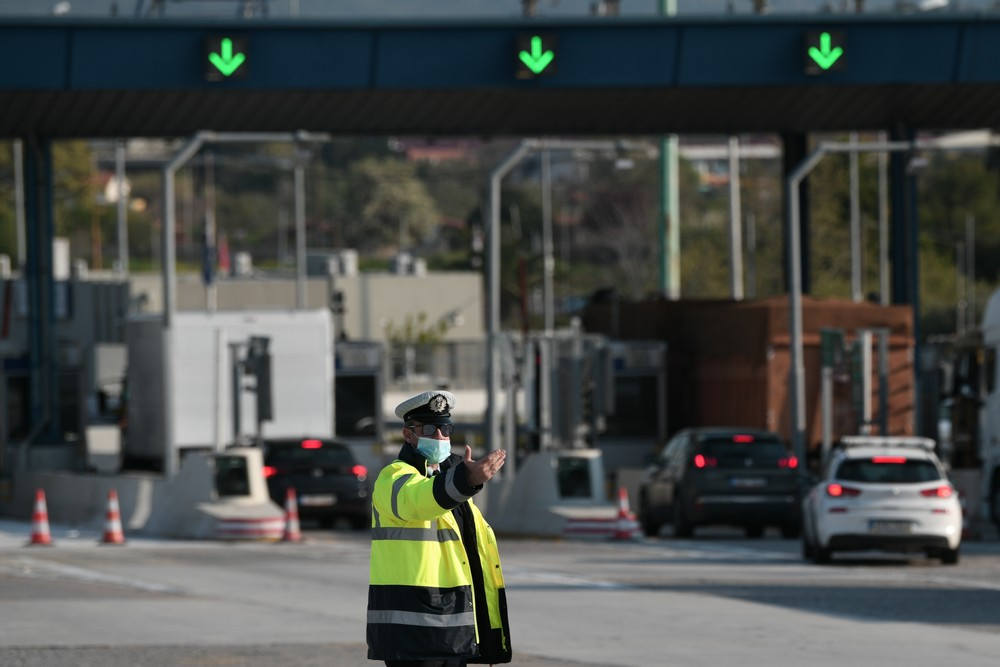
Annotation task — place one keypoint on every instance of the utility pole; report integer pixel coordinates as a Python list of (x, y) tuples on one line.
[(669, 231)]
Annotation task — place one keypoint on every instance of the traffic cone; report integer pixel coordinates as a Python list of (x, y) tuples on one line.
[(626, 526), (113, 522), (292, 530), (40, 534)]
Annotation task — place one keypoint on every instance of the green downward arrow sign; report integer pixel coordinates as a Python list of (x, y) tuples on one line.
[(226, 62), (826, 55), (537, 60)]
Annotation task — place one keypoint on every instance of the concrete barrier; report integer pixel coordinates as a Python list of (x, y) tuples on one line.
[(552, 494), (194, 504)]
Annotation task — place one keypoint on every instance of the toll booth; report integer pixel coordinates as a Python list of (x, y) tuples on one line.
[(635, 425), (584, 391), (553, 494), (51, 401)]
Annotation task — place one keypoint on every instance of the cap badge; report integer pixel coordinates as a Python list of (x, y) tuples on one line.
[(438, 403)]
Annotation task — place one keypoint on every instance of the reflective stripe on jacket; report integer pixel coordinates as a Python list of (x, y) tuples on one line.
[(421, 597)]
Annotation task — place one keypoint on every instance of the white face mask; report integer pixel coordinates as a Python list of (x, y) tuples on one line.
[(434, 450)]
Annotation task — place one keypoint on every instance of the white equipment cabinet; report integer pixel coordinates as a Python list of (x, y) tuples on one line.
[(201, 366)]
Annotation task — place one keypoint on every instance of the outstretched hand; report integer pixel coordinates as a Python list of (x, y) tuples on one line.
[(482, 471)]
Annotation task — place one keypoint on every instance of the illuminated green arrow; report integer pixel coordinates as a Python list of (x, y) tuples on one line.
[(228, 62), (537, 60), (825, 56)]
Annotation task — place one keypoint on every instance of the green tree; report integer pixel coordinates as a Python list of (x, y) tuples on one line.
[(77, 214), (385, 203)]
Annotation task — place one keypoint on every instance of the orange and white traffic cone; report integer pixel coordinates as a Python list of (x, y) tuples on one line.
[(113, 533), (40, 534), (626, 526), (292, 531)]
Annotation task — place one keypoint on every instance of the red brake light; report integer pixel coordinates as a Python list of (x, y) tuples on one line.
[(888, 459), (835, 490), (359, 471), (789, 462), (269, 471), (312, 444), (702, 461), (937, 492), (742, 438)]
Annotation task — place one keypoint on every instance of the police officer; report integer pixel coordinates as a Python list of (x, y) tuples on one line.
[(436, 594)]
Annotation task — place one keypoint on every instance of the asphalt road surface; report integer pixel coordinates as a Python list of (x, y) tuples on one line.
[(718, 599)]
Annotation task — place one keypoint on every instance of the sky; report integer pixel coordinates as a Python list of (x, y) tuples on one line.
[(430, 9)]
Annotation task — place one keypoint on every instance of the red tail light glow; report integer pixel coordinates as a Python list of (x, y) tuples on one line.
[(269, 471), (702, 461), (790, 462), (359, 471), (937, 492), (888, 459), (835, 490), (742, 438), (312, 444)]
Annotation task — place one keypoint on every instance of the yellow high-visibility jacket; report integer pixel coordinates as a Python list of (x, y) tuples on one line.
[(436, 589)]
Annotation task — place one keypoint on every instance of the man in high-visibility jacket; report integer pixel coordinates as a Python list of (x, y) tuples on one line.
[(436, 595)]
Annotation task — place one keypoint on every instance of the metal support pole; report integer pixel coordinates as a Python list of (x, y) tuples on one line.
[(22, 253), (300, 230), (122, 207), (735, 222), (548, 263), (493, 293), (170, 462), (885, 295), (751, 243), (883, 381), (796, 383), (669, 232), (856, 288), (970, 270), (236, 365), (211, 244), (865, 341)]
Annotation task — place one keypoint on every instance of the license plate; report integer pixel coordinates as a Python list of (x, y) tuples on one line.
[(888, 527), (748, 482), (323, 500)]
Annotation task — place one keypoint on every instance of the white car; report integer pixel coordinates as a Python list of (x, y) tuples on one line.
[(887, 493)]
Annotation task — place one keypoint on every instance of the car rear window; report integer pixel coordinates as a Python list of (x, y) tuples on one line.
[(736, 454), (911, 471), (290, 455)]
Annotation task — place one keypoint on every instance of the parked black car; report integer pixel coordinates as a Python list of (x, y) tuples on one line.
[(329, 482), (731, 476)]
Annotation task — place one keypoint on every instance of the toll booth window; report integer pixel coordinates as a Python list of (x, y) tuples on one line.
[(574, 477), (231, 477), (636, 408), (356, 401)]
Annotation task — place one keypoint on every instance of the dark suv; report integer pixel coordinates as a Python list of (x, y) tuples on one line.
[(731, 476), (329, 483)]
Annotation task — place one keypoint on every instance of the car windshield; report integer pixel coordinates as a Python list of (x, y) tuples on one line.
[(729, 453), (298, 455), (908, 471)]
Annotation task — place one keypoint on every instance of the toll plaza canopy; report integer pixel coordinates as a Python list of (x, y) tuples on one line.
[(159, 77)]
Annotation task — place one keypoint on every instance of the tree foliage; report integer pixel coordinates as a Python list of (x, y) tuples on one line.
[(363, 193)]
